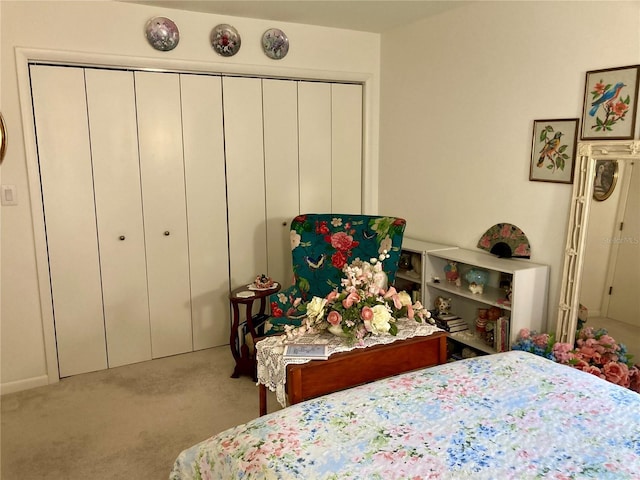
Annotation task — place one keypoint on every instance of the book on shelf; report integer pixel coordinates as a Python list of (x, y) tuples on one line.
[(311, 351), (501, 335), (453, 323), (458, 328)]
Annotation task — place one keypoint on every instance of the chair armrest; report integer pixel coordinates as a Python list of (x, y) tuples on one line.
[(288, 303), (287, 307)]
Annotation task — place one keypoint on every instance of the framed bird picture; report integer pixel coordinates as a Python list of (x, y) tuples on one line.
[(610, 103), (553, 151)]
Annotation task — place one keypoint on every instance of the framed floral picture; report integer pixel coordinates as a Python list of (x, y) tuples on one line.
[(553, 151), (610, 103), (605, 180)]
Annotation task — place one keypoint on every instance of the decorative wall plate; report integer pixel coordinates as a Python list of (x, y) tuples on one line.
[(225, 40), (505, 240), (162, 33), (275, 43)]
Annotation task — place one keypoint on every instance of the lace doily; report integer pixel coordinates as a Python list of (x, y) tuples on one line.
[(272, 366)]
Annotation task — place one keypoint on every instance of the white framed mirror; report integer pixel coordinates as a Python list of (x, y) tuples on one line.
[(623, 154)]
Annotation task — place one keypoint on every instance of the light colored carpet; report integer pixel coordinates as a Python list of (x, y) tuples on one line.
[(128, 422)]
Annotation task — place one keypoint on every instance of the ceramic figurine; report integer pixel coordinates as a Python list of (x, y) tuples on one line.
[(494, 313), (442, 305), (477, 279), (451, 271)]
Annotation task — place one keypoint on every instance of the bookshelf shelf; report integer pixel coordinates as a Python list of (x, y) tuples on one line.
[(472, 341)]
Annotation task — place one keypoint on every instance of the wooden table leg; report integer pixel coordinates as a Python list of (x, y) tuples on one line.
[(233, 340), (263, 399)]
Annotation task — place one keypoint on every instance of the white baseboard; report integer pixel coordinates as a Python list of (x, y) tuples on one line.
[(26, 384)]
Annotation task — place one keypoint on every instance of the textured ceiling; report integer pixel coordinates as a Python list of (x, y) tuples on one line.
[(364, 15)]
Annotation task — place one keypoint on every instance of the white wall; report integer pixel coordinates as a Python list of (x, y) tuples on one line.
[(459, 95), (113, 32)]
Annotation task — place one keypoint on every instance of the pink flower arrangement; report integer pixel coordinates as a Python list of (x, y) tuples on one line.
[(598, 353), (364, 306), (594, 352)]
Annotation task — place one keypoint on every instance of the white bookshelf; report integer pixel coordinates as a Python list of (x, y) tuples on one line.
[(529, 285)]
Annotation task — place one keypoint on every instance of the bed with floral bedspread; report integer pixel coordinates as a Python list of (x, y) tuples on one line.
[(510, 415)]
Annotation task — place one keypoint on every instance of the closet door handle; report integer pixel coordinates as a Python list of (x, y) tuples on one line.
[(284, 224), (167, 233), (122, 237)]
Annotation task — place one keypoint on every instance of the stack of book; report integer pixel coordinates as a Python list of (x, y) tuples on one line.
[(451, 323)]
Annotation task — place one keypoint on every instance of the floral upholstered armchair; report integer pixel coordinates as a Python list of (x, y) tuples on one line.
[(321, 245)]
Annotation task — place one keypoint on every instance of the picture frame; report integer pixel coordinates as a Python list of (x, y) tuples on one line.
[(606, 177), (610, 103), (553, 150)]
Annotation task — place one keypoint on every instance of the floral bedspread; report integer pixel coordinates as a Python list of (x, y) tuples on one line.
[(512, 415)]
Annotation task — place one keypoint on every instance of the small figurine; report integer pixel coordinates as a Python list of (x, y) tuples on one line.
[(262, 281), (458, 282), (476, 288), (451, 271), (494, 313), (442, 305)]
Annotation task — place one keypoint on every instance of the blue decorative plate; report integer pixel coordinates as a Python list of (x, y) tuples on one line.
[(225, 40), (275, 43), (162, 33)]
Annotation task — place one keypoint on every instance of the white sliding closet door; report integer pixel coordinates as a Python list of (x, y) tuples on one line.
[(60, 113), (164, 204), (280, 112), (245, 178), (346, 170), (116, 177), (162, 191), (206, 208), (314, 110)]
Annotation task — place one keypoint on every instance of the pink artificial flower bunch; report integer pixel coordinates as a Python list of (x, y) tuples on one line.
[(541, 344), (598, 353)]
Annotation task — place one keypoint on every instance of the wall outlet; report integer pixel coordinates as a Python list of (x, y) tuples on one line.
[(9, 195)]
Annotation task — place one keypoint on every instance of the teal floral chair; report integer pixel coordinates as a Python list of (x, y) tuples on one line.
[(321, 245)]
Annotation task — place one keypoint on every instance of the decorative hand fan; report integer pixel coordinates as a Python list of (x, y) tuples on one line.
[(505, 240)]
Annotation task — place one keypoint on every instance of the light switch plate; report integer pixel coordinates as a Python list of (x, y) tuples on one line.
[(9, 195)]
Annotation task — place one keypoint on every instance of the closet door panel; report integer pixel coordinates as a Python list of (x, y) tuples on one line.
[(245, 178), (116, 173), (164, 206), (280, 112), (314, 116), (346, 178), (206, 208), (64, 155)]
